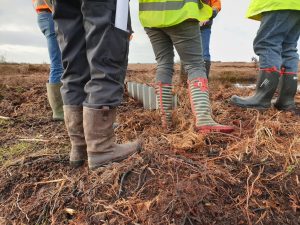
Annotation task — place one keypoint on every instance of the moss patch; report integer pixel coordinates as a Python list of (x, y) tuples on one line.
[(13, 152)]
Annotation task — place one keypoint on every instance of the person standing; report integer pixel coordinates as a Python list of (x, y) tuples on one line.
[(46, 25), (95, 58), (205, 28), (276, 46), (169, 24)]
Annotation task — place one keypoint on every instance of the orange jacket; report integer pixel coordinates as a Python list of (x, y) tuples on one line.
[(40, 5), (214, 4)]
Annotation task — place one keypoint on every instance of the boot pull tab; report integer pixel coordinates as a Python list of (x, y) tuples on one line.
[(283, 72), (201, 83), (271, 70), (105, 112)]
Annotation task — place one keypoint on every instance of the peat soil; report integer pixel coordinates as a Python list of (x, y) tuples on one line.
[(181, 177)]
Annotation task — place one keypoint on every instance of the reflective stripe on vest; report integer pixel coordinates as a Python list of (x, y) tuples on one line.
[(167, 13), (39, 4), (257, 7), (161, 6)]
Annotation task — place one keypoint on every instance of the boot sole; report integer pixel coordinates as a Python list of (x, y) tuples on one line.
[(76, 164), (58, 119), (289, 108), (211, 129), (251, 106), (293, 110), (111, 161)]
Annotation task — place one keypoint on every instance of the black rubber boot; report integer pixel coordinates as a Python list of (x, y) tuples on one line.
[(207, 67), (74, 122), (287, 90), (265, 88)]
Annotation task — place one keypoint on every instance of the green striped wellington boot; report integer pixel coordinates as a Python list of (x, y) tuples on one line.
[(164, 101), (199, 97)]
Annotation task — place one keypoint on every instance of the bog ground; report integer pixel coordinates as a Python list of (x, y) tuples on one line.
[(248, 177)]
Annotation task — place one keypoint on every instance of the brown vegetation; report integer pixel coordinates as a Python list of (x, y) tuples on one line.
[(181, 177)]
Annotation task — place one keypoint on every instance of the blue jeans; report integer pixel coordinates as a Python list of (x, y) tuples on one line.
[(205, 34), (46, 24), (276, 40)]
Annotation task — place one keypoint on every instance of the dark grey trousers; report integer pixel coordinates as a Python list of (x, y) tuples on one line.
[(187, 41), (94, 52)]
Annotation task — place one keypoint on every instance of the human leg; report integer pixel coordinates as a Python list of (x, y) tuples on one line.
[(187, 41), (107, 54), (268, 46), (164, 53), (205, 34), (46, 26), (71, 38), (289, 79)]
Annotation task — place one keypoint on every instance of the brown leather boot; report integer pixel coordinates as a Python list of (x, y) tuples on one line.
[(73, 120), (100, 138)]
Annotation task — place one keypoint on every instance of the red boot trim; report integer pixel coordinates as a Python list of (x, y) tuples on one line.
[(270, 70), (283, 72), (210, 129), (200, 82)]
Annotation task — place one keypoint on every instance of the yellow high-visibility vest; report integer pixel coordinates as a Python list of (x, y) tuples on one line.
[(257, 7), (167, 13)]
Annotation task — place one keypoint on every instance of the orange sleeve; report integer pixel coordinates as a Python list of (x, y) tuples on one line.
[(216, 4)]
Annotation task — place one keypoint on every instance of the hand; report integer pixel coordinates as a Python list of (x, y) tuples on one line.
[(215, 12), (203, 23)]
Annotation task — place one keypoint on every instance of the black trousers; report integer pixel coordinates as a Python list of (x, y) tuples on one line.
[(94, 52)]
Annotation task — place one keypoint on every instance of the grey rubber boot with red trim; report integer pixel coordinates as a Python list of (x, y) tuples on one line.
[(100, 138), (164, 101), (287, 90), (74, 123), (199, 97), (265, 88)]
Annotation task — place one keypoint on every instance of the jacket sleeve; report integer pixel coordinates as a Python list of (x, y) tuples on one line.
[(216, 4)]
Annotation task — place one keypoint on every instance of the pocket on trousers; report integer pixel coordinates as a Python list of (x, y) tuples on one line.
[(114, 45)]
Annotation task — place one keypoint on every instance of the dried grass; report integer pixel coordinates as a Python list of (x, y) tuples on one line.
[(248, 177)]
